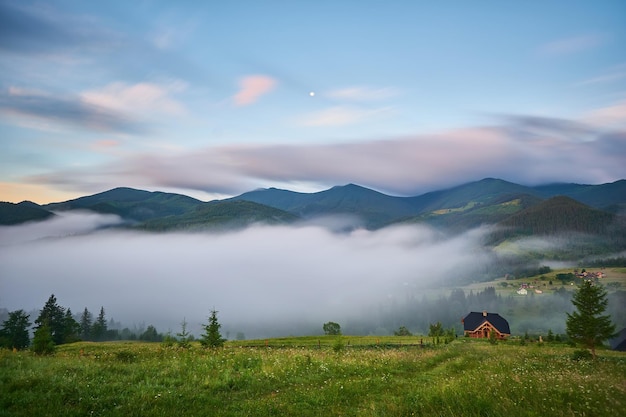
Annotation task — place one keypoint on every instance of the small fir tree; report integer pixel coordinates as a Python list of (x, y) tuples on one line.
[(43, 342), (184, 337), (14, 333), (587, 325), (212, 337)]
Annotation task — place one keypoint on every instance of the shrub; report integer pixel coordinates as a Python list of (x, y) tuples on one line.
[(582, 355)]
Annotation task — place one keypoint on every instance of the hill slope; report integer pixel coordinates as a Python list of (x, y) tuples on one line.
[(25, 211), (221, 215), (131, 204), (557, 215)]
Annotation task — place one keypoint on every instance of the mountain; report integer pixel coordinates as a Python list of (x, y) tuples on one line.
[(131, 204), (25, 211), (609, 197), (488, 201), (373, 208), (557, 215), (221, 215)]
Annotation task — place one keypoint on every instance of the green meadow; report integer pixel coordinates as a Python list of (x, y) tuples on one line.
[(313, 376)]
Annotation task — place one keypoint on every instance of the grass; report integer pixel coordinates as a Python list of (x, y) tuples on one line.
[(304, 377)]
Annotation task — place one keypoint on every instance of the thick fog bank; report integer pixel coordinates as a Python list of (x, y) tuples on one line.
[(285, 278)]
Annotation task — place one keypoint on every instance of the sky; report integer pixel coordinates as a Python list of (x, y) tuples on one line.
[(213, 99)]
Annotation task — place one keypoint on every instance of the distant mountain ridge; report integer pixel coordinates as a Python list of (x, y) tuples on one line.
[(488, 201)]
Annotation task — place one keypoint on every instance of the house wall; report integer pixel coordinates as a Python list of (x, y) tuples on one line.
[(483, 332)]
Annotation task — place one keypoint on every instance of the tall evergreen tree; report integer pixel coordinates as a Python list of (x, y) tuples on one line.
[(53, 315), (14, 332), (99, 328), (71, 333), (212, 337), (587, 325), (85, 325)]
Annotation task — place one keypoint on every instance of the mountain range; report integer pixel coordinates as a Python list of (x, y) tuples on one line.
[(541, 210)]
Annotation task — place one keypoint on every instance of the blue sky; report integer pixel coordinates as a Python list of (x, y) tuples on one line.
[(214, 99)]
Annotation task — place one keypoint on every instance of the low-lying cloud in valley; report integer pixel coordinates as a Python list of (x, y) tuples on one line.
[(262, 280)]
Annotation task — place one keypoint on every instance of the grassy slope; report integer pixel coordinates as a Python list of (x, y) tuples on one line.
[(469, 378)]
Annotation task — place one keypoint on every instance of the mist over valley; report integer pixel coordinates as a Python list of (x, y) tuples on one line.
[(326, 260)]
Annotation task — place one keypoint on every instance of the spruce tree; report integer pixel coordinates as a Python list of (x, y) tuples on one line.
[(212, 337), (184, 337), (587, 325), (14, 332), (99, 328), (53, 315), (71, 331), (85, 325)]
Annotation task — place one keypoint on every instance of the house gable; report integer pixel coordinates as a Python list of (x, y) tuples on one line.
[(479, 325)]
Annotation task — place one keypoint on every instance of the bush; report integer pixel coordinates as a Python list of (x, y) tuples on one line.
[(338, 346), (582, 355)]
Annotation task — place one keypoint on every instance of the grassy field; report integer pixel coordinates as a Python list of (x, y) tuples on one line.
[(315, 376)]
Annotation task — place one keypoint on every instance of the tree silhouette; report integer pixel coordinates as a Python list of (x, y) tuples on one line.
[(587, 325), (212, 337), (331, 328), (14, 333), (53, 315)]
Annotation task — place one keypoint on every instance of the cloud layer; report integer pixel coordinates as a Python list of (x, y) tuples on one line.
[(261, 277), (528, 150)]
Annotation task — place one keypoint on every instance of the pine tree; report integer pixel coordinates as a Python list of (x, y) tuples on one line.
[(85, 325), (72, 328), (53, 315), (14, 333), (99, 328), (587, 325), (212, 337)]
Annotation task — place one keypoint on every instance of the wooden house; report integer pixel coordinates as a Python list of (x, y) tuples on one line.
[(479, 325)]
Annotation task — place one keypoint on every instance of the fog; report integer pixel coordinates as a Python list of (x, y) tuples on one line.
[(262, 280)]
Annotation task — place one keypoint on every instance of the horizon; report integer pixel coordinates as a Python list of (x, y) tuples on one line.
[(315, 191), (213, 100)]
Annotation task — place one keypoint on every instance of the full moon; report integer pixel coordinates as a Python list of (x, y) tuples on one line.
[(312, 93)]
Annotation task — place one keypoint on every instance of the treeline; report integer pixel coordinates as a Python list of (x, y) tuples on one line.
[(56, 325), (533, 314)]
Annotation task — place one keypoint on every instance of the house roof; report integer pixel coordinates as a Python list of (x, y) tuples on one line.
[(474, 319)]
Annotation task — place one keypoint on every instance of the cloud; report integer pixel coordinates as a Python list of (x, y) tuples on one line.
[(39, 106), (144, 98), (611, 116), (363, 93), (63, 224), (341, 115), (252, 87), (306, 275), (572, 45), (42, 30)]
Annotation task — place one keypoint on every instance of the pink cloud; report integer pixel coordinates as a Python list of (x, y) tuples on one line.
[(252, 87), (137, 98), (572, 44)]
